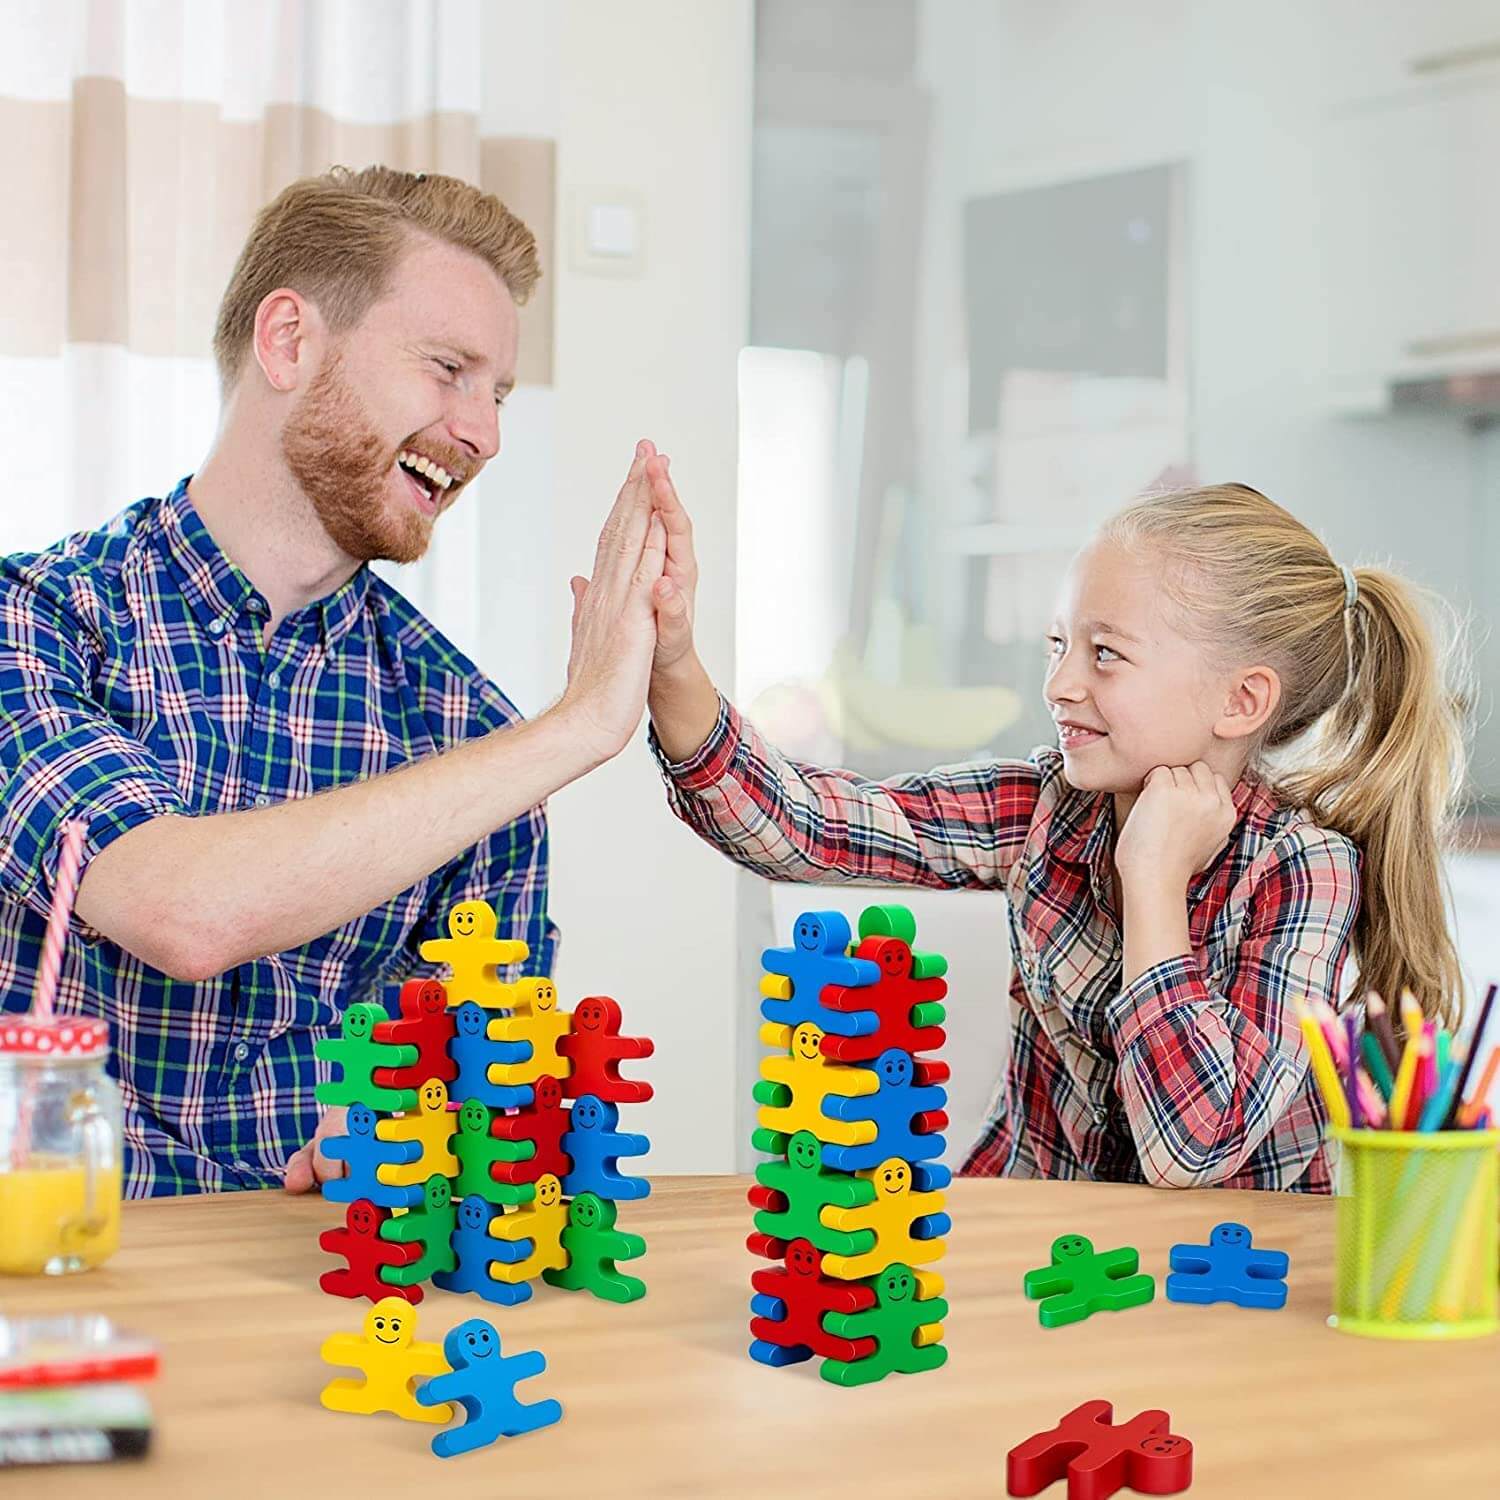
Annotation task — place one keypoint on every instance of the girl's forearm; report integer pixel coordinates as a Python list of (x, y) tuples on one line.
[(684, 706), (1156, 926)]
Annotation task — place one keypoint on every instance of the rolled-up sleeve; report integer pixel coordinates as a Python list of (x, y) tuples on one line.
[(61, 756), (1212, 1067)]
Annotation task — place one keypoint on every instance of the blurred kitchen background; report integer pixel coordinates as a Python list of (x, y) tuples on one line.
[(913, 291)]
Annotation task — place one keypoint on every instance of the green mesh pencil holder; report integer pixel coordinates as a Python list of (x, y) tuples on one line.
[(1417, 1241)]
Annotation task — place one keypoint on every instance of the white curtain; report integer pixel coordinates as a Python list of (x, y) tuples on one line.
[(137, 140)]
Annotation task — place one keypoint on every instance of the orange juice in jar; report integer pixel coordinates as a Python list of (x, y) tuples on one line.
[(60, 1147)]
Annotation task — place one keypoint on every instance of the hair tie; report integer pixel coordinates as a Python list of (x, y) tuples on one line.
[(1351, 598)]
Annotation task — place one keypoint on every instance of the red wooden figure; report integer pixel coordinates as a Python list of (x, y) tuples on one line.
[(427, 1024), (596, 1048), (807, 1295), (1099, 1458), (360, 1244), (891, 997), (543, 1122)]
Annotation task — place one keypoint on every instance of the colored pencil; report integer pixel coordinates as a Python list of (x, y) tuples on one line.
[(1326, 1075), (1475, 1052), (1378, 1019)]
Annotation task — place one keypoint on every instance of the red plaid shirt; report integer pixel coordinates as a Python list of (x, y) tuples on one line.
[(1192, 1075)]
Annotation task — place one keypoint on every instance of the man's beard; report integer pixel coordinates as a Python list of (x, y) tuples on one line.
[(344, 470)]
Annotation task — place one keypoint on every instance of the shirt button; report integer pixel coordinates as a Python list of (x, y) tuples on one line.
[(244, 1166), (216, 627), (241, 1051), (274, 679), (1100, 1116), (261, 800)]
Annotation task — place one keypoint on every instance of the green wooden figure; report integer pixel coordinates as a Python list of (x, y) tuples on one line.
[(1079, 1281), (808, 1190), (477, 1151), (906, 1323), (431, 1226), (357, 1052), (594, 1245)]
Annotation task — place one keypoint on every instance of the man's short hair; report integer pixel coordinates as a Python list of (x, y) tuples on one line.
[(338, 237)]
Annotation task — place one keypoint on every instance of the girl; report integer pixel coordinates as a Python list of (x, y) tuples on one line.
[(1170, 893)]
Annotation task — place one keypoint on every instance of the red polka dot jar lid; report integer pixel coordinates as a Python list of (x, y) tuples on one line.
[(66, 1038)]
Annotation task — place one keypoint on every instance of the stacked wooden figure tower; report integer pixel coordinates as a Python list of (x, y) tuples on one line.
[(850, 1203), (467, 1168)]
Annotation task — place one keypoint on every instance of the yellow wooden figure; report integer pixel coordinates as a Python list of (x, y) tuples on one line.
[(473, 953), (544, 1026), (391, 1362), (896, 1205), (523, 997), (432, 1127), (801, 1068), (541, 1221)]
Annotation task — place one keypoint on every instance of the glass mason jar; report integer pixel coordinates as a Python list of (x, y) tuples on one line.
[(60, 1147)]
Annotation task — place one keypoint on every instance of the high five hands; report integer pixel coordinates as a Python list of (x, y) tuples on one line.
[(633, 619)]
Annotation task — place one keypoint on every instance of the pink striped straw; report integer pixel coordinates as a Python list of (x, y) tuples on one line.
[(64, 892)]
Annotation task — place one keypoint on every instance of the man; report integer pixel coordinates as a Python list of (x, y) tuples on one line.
[(288, 775)]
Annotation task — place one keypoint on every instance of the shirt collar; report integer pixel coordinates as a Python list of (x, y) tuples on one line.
[(217, 591), (214, 588)]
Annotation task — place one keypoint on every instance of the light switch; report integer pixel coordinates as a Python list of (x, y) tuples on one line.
[(608, 231), (612, 229)]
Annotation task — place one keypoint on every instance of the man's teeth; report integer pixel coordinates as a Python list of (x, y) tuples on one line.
[(425, 467)]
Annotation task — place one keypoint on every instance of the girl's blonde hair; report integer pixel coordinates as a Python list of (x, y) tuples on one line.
[(1369, 732), (337, 238)]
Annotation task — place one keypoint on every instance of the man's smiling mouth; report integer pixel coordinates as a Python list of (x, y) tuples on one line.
[(426, 480)]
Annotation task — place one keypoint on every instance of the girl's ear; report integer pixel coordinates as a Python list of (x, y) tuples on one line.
[(1252, 698)]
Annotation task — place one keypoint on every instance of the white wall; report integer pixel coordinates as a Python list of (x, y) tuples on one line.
[(653, 98), (1025, 95)]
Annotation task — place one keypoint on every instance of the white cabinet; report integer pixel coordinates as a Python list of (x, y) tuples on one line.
[(1411, 229)]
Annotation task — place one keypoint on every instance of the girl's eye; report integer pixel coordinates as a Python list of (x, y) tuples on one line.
[(1054, 645), (448, 365), (1104, 652)]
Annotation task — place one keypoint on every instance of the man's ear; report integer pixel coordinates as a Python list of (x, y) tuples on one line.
[(1253, 697), (287, 329)]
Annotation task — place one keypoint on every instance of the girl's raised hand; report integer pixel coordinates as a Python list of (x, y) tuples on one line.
[(675, 592)]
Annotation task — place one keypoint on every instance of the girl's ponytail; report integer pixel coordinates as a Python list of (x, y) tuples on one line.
[(1384, 766)]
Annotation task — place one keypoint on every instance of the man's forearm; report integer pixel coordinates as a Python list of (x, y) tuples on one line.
[(196, 896)]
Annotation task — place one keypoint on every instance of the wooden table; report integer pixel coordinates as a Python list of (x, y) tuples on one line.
[(660, 1399)]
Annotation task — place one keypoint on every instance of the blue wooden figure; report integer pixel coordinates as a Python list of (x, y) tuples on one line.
[(895, 1108), (474, 1247), (595, 1146), (1228, 1269), (473, 1049), (817, 959), (362, 1152), (483, 1381)]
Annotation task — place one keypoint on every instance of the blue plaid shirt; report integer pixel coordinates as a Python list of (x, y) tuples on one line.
[(134, 682)]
